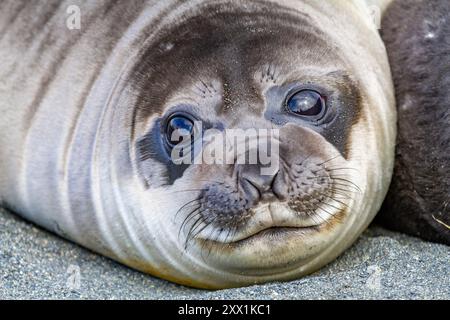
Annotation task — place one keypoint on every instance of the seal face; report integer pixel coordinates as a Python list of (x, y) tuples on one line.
[(144, 172), (416, 34)]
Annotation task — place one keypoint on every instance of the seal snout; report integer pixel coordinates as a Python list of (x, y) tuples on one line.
[(250, 202), (263, 187)]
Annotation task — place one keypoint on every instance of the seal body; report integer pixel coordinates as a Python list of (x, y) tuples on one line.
[(417, 36), (86, 149)]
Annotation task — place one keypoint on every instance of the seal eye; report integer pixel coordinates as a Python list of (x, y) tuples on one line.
[(177, 127), (307, 103)]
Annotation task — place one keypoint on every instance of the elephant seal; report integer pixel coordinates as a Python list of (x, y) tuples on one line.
[(89, 117), (417, 36)]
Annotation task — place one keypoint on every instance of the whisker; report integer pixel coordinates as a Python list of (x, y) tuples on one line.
[(188, 218), (215, 239), (187, 190), (344, 190), (194, 232), (342, 194), (338, 201), (215, 181), (193, 229), (186, 204), (205, 243), (338, 178), (302, 162), (346, 180), (327, 212), (344, 168), (326, 220), (330, 205), (329, 160), (228, 233), (190, 215), (346, 185)]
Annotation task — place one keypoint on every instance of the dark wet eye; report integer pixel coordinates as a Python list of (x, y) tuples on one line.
[(178, 126), (307, 103)]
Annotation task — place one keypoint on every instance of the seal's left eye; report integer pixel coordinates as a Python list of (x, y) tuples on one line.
[(178, 126), (307, 103)]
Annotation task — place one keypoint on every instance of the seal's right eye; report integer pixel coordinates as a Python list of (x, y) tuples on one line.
[(307, 104), (178, 126)]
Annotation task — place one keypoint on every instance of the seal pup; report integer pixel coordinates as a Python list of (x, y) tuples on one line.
[(417, 37), (88, 117)]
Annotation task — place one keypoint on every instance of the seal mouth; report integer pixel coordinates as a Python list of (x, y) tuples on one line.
[(269, 222), (274, 241), (274, 232), (264, 237)]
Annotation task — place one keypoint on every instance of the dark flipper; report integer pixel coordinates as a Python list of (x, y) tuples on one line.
[(417, 37)]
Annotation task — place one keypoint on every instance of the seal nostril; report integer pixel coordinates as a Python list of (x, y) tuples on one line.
[(263, 187), (279, 187), (251, 189)]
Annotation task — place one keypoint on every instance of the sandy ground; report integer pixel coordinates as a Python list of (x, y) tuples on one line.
[(35, 264)]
